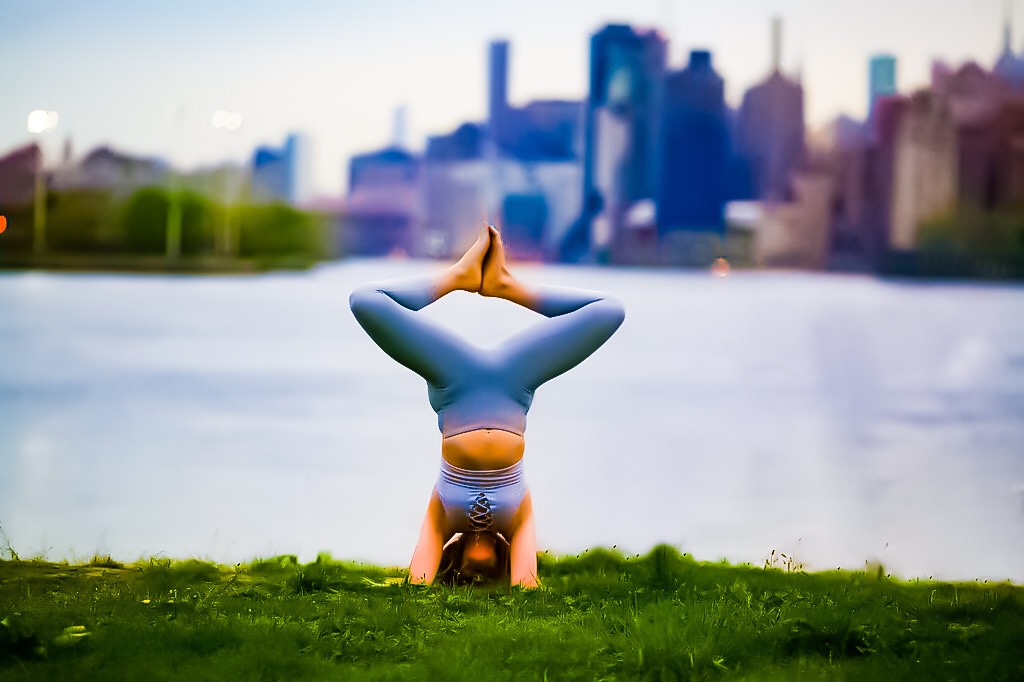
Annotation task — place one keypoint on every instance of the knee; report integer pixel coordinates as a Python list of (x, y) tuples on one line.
[(613, 310), (362, 300)]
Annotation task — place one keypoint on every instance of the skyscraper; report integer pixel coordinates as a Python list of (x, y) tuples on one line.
[(620, 146), (691, 189), (770, 129), (497, 87), (1009, 66), (925, 157), (521, 169), (277, 172), (383, 197), (881, 78)]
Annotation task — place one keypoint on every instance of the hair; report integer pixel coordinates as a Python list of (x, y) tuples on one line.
[(450, 570)]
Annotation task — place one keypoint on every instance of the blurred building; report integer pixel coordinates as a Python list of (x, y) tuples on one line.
[(621, 122), (497, 89), (973, 93), (18, 175), (860, 159), (520, 169), (881, 78), (953, 152), (18, 169), (769, 137), (106, 169), (455, 189), (1009, 66), (879, 168), (986, 111), (278, 173), (796, 234), (840, 148), (691, 188), (383, 201), (543, 130), (924, 167)]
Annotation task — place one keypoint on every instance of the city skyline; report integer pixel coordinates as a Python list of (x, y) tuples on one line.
[(146, 80)]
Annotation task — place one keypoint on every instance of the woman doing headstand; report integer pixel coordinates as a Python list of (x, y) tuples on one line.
[(481, 397)]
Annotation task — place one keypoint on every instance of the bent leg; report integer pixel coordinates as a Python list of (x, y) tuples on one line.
[(555, 345), (386, 312), (578, 323), (523, 552), (433, 534)]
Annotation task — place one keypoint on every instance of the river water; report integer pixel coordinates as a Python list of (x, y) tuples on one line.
[(836, 419)]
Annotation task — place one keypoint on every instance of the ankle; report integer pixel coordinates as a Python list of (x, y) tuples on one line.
[(457, 278), (501, 286)]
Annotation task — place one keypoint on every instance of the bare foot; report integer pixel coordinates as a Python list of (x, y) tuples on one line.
[(467, 273), (497, 280)]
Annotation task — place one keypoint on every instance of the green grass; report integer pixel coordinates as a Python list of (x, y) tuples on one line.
[(663, 616)]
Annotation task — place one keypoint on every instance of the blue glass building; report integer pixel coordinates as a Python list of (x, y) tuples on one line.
[(881, 78), (276, 171), (620, 128), (691, 192)]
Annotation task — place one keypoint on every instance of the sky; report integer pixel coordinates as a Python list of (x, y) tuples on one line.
[(145, 77)]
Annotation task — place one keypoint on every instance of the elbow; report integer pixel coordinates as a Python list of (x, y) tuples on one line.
[(615, 311)]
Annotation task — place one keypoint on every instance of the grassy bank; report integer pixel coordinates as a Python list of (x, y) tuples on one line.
[(126, 263), (599, 616)]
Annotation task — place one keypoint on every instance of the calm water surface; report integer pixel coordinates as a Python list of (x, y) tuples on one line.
[(836, 419)]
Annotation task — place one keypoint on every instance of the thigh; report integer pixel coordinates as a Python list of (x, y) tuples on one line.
[(433, 352), (556, 345)]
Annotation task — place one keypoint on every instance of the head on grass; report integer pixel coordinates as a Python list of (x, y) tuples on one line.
[(479, 557), (475, 558)]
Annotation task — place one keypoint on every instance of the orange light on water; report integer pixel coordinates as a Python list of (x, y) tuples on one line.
[(720, 268)]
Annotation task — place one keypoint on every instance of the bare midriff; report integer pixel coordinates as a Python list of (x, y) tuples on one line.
[(483, 449)]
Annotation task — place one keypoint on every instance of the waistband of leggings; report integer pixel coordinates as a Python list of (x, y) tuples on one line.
[(487, 478)]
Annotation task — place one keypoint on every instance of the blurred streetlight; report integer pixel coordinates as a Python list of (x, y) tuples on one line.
[(231, 120), (173, 227), (227, 120), (38, 122)]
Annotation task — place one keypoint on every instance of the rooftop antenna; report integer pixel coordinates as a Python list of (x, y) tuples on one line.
[(670, 28), (1007, 27), (776, 43), (398, 128)]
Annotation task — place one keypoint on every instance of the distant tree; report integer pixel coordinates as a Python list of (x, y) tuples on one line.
[(143, 221), (79, 221), (279, 230), (984, 243)]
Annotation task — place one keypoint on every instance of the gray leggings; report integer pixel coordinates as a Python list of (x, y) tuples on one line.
[(472, 387)]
